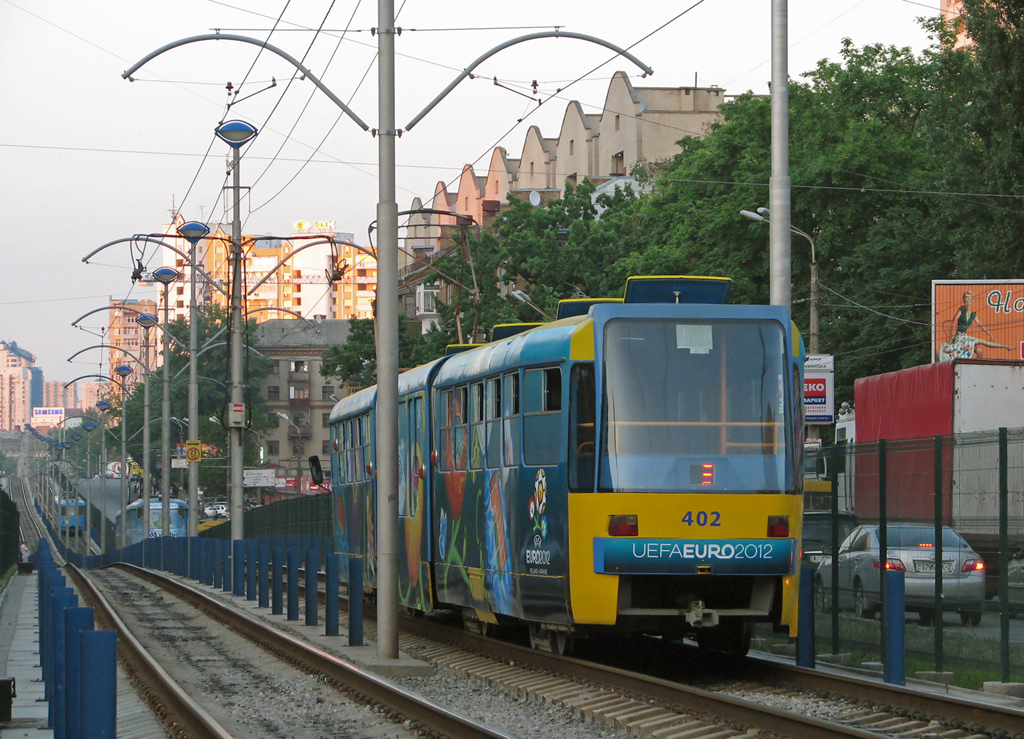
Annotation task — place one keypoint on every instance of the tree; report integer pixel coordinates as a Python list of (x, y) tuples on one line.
[(214, 395), (354, 363)]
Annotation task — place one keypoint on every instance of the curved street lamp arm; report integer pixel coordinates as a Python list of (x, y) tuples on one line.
[(130, 310), (814, 257), (529, 37), (142, 237), (279, 264), (255, 42), (105, 377), (105, 346)]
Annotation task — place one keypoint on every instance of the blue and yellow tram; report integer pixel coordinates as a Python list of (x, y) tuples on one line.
[(635, 468), (135, 525), (72, 515)]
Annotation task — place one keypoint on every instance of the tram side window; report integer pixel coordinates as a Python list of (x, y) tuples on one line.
[(445, 413), (476, 426), (510, 398), (582, 416), (493, 397), (363, 454), (542, 405), (460, 402)]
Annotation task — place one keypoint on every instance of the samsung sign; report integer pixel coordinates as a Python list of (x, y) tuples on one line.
[(819, 389), (47, 416)]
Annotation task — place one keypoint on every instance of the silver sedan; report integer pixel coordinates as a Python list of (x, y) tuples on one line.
[(910, 548)]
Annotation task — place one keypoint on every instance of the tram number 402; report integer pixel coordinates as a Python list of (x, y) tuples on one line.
[(702, 518)]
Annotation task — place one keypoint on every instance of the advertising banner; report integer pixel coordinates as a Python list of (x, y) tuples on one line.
[(977, 319), (819, 390)]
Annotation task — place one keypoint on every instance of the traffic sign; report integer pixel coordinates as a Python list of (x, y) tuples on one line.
[(194, 450)]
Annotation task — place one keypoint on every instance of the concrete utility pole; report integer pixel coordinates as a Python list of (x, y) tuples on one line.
[(779, 186)]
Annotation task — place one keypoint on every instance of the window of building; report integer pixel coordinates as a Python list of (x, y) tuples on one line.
[(572, 146), (616, 122), (298, 392), (325, 446), (273, 392), (297, 287), (619, 163), (181, 290), (300, 365), (326, 392), (273, 448), (296, 301), (325, 419)]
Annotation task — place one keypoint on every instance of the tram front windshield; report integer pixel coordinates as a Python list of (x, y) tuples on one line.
[(694, 406)]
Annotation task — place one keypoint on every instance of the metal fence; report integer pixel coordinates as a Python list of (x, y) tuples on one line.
[(307, 514), (971, 483)]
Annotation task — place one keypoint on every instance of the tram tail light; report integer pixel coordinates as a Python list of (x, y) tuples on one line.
[(623, 526), (778, 527)]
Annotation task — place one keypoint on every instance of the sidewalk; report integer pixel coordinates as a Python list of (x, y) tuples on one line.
[(19, 658)]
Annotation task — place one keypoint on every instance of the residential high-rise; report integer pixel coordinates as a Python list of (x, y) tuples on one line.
[(21, 386), (125, 333)]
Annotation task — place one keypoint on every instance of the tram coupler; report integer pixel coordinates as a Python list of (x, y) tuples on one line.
[(700, 617)]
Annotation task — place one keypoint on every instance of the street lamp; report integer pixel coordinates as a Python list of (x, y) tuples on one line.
[(123, 370), (236, 134), (147, 321), (300, 449), (763, 215), (103, 406), (165, 276), (524, 298), (193, 232)]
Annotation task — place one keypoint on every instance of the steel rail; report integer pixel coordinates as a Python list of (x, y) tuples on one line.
[(992, 716), (185, 712), (430, 715)]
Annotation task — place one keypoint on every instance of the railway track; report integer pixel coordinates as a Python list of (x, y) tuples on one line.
[(198, 712), (678, 679)]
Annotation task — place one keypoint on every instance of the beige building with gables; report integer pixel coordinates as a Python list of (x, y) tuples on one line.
[(636, 126)]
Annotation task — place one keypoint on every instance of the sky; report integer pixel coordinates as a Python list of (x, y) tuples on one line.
[(87, 157)]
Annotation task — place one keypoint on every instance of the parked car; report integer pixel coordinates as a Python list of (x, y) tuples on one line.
[(217, 510), (910, 549), (817, 534)]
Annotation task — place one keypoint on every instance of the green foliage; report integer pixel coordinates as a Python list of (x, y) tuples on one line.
[(214, 373), (905, 168), (354, 363)]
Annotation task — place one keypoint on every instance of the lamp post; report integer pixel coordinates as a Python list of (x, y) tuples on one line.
[(147, 321), (165, 276), (193, 232), (298, 452), (764, 215), (525, 299), (236, 134), (123, 370), (104, 406)]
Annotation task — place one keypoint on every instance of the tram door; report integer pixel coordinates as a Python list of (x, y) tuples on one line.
[(412, 435)]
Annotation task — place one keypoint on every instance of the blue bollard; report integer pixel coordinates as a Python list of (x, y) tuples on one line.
[(251, 573), (894, 660), (76, 620), (215, 562), (312, 596), (57, 586), (264, 568), (355, 602), (98, 697), (63, 599), (293, 585), (225, 555), (277, 581), (238, 549), (805, 620), (331, 615)]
